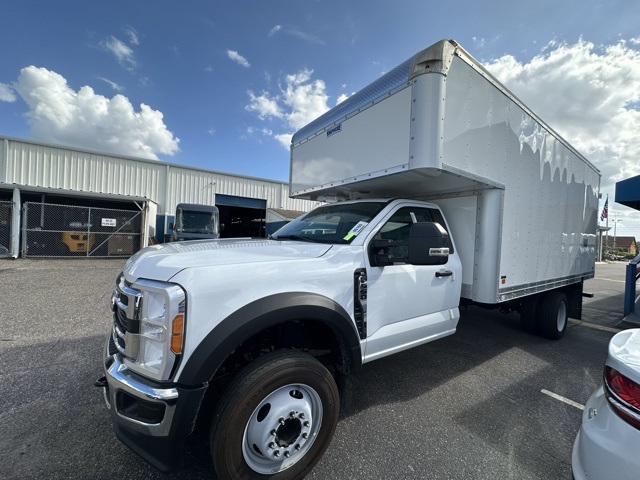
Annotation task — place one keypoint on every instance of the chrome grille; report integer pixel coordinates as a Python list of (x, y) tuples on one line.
[(126, 303)]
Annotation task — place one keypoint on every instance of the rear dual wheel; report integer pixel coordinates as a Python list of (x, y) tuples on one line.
[(553, 315), (276, 419), (545, 314)]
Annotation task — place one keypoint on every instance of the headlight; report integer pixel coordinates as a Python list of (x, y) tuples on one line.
[(161, 314)]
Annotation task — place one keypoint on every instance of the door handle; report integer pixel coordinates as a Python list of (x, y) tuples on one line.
[(444, 273)]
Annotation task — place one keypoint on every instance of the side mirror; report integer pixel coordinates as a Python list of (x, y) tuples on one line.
[(379, 252), (429, 244)]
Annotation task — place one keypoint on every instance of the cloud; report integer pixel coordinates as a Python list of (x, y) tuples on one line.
[(297, 103), (133, 35), (59, 114), (589, 94), (239, 59), (478, 42), (6, 93), (264, 106), (275, 30), (341, 98), (298, 33), (123, 53), (114, 85)]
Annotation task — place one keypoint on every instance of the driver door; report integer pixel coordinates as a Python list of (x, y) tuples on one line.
[(408, 305)]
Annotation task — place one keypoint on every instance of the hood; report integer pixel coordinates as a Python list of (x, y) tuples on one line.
[(161, 262)]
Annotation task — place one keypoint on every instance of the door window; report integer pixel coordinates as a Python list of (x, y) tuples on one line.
[(398, 227)]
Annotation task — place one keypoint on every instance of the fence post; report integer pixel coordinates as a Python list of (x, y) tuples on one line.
[(24, 230), (88, 242)]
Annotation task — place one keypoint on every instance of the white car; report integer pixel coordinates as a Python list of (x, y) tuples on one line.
[(608, 443)]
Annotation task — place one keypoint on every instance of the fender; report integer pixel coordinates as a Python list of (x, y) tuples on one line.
[(264, 313)]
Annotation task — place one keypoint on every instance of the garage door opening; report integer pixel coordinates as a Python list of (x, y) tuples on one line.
[(241, 216)]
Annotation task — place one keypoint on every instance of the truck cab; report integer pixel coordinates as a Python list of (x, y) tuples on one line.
[(195, 222), (407, 278)]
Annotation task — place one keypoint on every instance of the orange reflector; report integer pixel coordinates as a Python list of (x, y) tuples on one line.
[(176, 334)]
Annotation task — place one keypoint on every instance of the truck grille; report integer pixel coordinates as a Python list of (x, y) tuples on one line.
[(126, 303)]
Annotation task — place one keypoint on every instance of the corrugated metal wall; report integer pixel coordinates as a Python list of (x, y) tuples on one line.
[(26, 163)]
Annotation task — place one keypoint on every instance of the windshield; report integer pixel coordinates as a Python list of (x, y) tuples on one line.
[(196, 222), (335, 223)]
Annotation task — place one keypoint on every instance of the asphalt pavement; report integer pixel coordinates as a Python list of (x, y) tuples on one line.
[(490, 402)]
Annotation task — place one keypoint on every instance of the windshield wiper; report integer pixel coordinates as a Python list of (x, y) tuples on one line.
[(301, 238)]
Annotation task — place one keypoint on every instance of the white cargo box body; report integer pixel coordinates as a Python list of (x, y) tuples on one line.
[(521, 203)]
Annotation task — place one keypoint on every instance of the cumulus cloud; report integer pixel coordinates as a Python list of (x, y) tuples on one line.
[(6, 93), (342, 98), (57, 113), (589, 94), (123, 53), (239, 59), (299, 101)]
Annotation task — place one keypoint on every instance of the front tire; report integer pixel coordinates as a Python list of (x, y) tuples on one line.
[(276, 418)]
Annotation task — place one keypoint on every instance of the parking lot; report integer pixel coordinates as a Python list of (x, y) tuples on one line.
[(489, 402)]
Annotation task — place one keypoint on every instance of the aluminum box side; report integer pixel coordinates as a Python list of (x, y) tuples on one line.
[(549, 212)]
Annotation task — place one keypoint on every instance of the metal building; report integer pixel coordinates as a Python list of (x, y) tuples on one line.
[(59, 200)]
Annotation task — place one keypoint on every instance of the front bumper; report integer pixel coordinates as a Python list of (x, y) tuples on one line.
[(605, 446), (153, 420)]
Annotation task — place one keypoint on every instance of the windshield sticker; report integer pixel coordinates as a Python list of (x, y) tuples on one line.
[(355, 230)]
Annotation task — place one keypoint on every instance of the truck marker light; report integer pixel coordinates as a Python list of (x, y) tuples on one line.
[(176, 333)]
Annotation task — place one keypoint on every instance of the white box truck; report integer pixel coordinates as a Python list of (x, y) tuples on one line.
[(443, 189)]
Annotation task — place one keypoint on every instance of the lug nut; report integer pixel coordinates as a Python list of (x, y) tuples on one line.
[(298, 447), (281, 421), (301, 415), (287, 454), (273, 432), (306, 424), (276, 453), (272, 445), (292, 414), (305, 435)]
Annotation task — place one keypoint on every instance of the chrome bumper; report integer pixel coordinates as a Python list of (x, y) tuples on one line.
[(121, 380)]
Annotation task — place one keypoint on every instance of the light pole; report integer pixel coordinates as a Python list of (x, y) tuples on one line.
[(615, 224)]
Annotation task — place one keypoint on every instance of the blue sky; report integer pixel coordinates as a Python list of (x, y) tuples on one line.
[(223, 85)]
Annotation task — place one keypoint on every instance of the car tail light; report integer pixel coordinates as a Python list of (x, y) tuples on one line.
[(623, 394)]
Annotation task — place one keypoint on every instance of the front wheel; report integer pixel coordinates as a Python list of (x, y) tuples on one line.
[(276, 419)]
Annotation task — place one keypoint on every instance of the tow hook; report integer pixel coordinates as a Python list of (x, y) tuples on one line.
[(101, 382)]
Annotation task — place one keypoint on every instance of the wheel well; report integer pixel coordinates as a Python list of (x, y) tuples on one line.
[(574, 299), (311, 336)]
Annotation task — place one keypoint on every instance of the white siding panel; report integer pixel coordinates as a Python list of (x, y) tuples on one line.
[(58, 167)]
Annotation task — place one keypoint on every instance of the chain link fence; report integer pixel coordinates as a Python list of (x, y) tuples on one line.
[(5, 228), (50, 230)]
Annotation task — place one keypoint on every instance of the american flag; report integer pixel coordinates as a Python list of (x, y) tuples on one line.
[(605, 210)]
